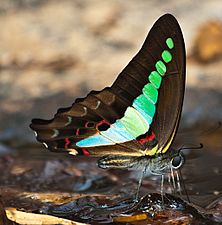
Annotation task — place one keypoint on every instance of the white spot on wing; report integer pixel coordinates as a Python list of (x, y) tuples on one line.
[(45, 144), (56, 132), (69, 120), (85, 111), (73, 152), (98, 104), (35, 133), (113, 100)]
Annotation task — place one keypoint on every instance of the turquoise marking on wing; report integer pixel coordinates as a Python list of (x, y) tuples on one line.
[(150, 92), (145, 116), (118, 127), (134, 123), (95, 140), (116, 135), (144, 104)]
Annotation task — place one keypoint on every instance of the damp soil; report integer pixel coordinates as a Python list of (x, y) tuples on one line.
[(34, 181)]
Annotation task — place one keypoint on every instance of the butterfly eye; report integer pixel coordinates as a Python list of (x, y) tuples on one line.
[(177, 162)]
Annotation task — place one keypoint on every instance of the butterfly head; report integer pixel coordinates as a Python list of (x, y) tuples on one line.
[(160, 164), (177, 161)]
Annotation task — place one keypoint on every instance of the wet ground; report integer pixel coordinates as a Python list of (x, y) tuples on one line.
[(36, 181)]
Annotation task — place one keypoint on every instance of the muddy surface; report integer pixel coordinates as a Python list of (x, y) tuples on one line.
[(36, 181)]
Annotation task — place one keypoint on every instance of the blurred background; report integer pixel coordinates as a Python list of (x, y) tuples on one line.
[(52, 52)]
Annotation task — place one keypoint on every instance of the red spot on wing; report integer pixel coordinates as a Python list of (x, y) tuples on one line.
[(102, 122), (151, 137), (103, 125), (92, 124), (77, 131), (67, 142), (147, 138), (85, 152)]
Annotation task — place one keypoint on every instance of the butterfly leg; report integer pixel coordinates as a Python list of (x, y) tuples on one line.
[(173, 180), (178, 183), (169, 179), (140, 183), (162, 189), (183, 186)]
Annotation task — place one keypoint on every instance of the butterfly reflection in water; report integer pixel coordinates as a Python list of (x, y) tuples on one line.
[(131, 124)]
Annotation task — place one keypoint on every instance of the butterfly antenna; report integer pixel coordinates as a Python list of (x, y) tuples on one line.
[(194, 147), (183, 185)]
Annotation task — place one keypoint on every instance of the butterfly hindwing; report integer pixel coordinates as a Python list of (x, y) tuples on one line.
[(85, 118), (140, 111)]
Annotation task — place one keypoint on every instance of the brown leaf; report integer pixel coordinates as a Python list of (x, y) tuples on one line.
[(32, 218)]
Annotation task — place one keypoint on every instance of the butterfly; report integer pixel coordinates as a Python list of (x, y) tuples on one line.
[(133, 123)]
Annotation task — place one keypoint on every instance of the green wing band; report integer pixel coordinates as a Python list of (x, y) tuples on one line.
[(138, 117)]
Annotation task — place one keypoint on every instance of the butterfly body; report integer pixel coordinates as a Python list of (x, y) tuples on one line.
[(132, 123), (159, 164)]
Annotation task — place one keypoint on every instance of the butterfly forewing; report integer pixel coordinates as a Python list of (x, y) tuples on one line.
[(143, 104), (171, 93)]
